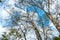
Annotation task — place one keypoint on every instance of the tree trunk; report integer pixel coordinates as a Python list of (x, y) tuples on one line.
[(36, 31), (54, 21), (51, 18), (25, 36)]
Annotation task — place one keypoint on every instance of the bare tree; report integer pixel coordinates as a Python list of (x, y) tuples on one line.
[(27, 18), (39, 4)]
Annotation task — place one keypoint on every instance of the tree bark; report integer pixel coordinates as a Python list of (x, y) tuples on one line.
[(25, 36), (36, 31), (51, 18), (54, 21)]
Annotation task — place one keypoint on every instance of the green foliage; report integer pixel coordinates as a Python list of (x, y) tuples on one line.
[(56, 38), (13, 32), (18, 34), (4, 36)]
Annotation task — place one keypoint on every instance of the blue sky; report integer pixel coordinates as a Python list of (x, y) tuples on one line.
[(4, 15)]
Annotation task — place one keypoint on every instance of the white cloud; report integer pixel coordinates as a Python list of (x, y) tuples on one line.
[(4, 14), (11, 2), (2, 30)]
